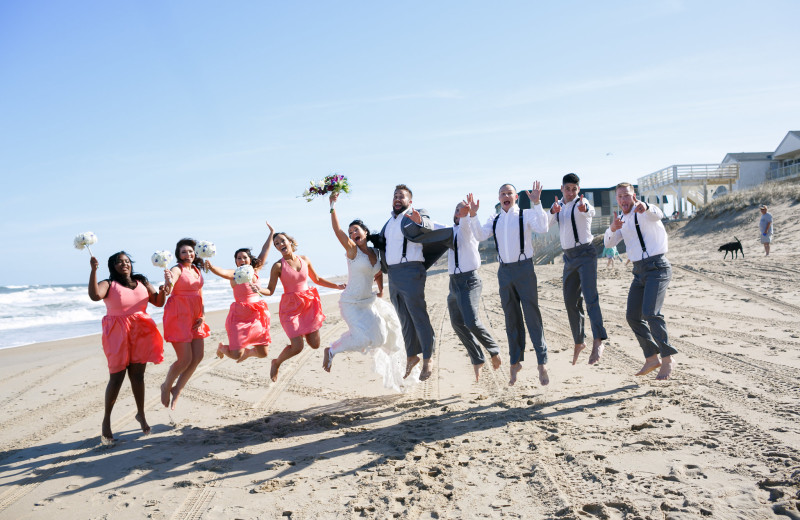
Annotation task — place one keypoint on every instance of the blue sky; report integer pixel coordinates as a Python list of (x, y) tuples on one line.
[(148, 121)]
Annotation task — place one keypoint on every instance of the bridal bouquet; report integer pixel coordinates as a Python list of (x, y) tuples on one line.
[(161, 259), (331, 184), (85, 240), (243, 274), (205, 249)]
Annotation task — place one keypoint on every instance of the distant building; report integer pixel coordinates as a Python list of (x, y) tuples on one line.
[(787, 157), (753, 168), (604, 200)]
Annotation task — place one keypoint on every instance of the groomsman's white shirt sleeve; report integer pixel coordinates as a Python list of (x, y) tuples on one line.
[(469, 258), (534, 220), (563, 219), (653, 234)]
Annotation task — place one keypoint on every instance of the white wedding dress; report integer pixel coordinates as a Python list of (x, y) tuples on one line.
[(373, 323)]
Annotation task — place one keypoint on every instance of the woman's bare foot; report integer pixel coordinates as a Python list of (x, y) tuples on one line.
[(165, 394), (426, 370), (496, 361), (410, 364), (544, 377), (221, 350), (175, 393), (577, 352), (327, 359), (477, 368), (514, 371), (597, 352), (650, 364), (107, 437), (143, 423), (273, 370), (666, 368)]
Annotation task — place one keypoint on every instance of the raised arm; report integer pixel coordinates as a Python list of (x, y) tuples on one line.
[(97, 291), (347, 244), (265, 248), (222, 273), (312, 274), (613, 234)]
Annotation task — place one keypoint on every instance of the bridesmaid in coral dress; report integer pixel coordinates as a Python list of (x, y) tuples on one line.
[(248, 320), (184, 325), (130, 336), (300, 309)]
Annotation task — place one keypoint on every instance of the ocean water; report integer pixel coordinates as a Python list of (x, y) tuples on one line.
[(36, 313)]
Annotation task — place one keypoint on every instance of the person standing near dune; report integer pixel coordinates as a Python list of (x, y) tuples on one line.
[(646, 242), (765, 226)]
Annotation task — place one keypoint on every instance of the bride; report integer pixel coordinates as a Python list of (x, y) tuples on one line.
[(373, 323)]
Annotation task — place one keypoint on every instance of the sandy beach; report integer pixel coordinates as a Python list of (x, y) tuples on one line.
[(720, 440)]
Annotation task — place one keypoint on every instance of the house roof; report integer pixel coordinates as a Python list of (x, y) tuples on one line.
[(790, 145), (748, 156)]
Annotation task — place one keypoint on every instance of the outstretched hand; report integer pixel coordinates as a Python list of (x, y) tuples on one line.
[(582, 206), (535, 193), (556, 207), (638, 205), (271, 229), (473, 204), (616, 224), (463, 211), (334, 197), (415, 217)]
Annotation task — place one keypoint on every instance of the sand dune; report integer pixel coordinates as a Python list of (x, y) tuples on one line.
[(721, 440)]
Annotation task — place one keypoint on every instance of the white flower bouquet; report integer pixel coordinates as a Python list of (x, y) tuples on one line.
[(243, 274), (331, 184), (85, 240), (161, 259)]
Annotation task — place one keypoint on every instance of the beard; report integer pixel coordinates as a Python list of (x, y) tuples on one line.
[(402, 209)]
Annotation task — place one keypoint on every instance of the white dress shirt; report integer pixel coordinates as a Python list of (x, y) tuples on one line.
[(394, 242), (583, 221), (469, 258), (507, 234), (653, 234)]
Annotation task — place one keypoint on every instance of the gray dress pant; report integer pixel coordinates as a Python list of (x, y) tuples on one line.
[(407, 292), (651, 278), (462, 302), (519, 296), (580, 276)]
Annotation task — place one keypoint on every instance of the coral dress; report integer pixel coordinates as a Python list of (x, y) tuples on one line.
[(184, 306), (248, 320), (300, 309), (129, 334)]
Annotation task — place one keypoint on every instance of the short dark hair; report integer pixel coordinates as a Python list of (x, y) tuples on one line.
[(404, 188), (507, 184), (571, 178)]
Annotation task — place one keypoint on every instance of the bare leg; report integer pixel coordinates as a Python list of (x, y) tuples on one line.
[(115, 381), (327, 359), (196, 351), (544, 378), (766, 249), (577, 351), (411, 362), (597, 351), (496, 361), (222, 350), (313, 339), (667, 365), (477, 368), (259, 351), (291, 350), (650, 363), (514, 371), (136, 377), (184, 353), (426, 370)]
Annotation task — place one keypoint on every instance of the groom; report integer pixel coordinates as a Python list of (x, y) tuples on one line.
[(406, 262)]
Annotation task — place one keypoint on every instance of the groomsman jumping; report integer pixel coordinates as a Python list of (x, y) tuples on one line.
[(574, 219)]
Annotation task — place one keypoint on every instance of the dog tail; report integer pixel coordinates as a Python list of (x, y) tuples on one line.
[(736, 239)]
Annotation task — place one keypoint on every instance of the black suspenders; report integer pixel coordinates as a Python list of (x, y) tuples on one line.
[(574, 226), (641, 238), (521, 238), (455, 250)]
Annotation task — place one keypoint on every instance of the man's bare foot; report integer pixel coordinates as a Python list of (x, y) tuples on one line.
[(410, 364), (175, 393), (514, 371), (496, 361), (426, 370), (666, 368), (273, 370), (143, 423), (221, 350), (597, 352), (577, 352), (650, 364), (106, 436), (477, 368), (246, 353), (327, 359), (544, 378), (165, 394)]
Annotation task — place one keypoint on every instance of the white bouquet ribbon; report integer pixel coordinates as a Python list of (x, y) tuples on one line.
[(85, 240)]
